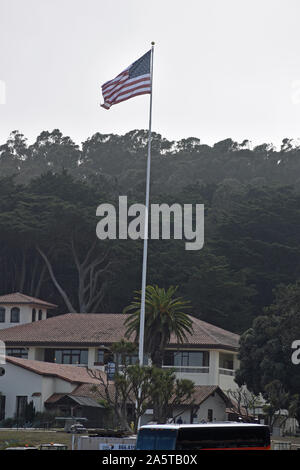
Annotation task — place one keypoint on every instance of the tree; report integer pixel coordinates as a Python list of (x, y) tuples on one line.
[(252, 221), (279, 399), (136, 388), (90, 270), (167, 393), (164, 316), (13, 154), (48, 233), (244, 401), (30, 412), (51, 152), (127, 394), (266, 349)]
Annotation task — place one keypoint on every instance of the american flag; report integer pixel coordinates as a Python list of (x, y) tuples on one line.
[(134, 80)]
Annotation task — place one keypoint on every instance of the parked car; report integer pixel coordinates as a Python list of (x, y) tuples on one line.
[(77, 428), (53, 446)]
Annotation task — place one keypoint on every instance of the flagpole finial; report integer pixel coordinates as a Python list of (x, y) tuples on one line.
[(152, 43)]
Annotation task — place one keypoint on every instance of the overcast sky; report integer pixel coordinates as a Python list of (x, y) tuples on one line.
[(222, 68)]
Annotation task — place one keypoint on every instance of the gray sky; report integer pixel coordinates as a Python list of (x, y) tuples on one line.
[(221, 68)]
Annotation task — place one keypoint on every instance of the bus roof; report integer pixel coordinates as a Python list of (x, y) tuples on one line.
[(214, 424)]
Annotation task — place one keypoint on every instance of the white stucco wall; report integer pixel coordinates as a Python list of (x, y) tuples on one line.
[(36, 354), (25, 315), (226, 382), (213, 376), (19, 382), (92, 357), (215, 403), (198, 378), (52, 385)]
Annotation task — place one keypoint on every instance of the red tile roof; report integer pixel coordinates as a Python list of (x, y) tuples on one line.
[(95, 329), (73, 374), (21, 299), (55, 397)]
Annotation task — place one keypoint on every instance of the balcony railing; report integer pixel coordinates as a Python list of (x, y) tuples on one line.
[(226, 371), (189, 369)]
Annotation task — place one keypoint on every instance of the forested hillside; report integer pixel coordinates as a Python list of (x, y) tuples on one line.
[(50, 190)]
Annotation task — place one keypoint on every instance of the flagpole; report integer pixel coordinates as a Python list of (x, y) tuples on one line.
[(145, 250)]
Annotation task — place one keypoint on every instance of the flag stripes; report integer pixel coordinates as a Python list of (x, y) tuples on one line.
[(133, 81)]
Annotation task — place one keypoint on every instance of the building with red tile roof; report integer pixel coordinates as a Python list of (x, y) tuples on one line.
[(94, 329), (18, 309), (17, 298), (208, 356)]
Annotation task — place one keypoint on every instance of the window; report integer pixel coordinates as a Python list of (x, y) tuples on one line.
[(2, 314), (209, 415), (132, 359), (100, 356), (104, 356), (40, 314), (71, 356), (2, 407), (17, 352), (15, 315), (129, 359), (226, 361), (49, 355), (186, 358), (21, 406), (33, 314)]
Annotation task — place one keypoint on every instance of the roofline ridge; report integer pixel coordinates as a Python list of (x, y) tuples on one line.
[(209, 334), (216, 326), (31, 368), (30, 298)]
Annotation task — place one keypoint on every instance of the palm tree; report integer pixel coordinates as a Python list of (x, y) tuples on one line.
[(164, 315)]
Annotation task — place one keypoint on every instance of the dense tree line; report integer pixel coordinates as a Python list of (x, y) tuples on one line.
[(266, 351), (49, 192)]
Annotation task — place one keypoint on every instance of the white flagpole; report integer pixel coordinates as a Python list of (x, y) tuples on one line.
[(144, 272)]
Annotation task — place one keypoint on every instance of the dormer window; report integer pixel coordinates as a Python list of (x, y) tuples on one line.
[(33, 314), (15, 315), (2, 315)]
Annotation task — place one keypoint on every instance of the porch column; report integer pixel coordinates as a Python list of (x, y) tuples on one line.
[(91, 357), (32, 353), (213, 367)]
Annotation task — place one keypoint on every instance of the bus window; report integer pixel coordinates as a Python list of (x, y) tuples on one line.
[(157, 439), (223, 437), (204, 436)]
